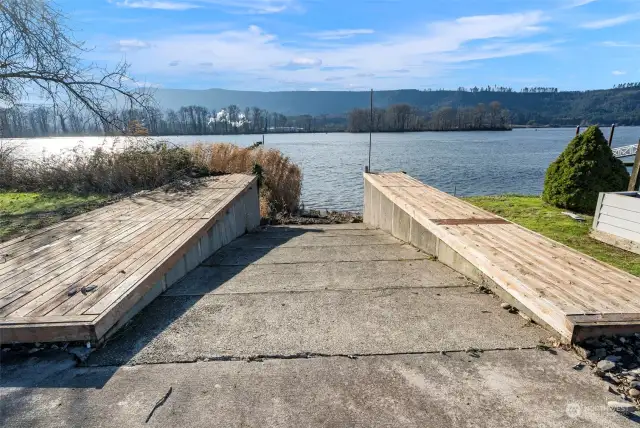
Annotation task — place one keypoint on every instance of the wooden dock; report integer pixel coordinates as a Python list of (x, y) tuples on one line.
[(568, 291), (83, 278)]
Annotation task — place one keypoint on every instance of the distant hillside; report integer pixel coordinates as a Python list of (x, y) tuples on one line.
[(605, 106)]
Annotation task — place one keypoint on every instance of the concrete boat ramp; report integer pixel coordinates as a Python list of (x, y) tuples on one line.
[(330, 326)]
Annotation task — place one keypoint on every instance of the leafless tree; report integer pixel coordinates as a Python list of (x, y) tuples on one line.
[(359, 120), (256, 119), (494, 113), (38, 52)]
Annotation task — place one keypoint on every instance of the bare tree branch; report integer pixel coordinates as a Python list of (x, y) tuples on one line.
[(38, 52)]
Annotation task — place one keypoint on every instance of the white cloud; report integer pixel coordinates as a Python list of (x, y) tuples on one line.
[(339, 34), (610, 44), (259, 59), (306, 62), (577, 3), (611, 22), (128, 45), (163, 5), (618, 72), (246, 6)]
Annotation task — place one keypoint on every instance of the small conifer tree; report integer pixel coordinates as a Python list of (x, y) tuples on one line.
[(584, 169)]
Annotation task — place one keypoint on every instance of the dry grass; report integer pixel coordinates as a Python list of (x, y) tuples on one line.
[(125, 166), (138, 163), (281, 179)]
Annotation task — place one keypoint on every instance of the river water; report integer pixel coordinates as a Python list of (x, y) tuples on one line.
[(469, 163)]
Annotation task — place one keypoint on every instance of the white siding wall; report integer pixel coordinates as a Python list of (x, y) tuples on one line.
[(618, 214)]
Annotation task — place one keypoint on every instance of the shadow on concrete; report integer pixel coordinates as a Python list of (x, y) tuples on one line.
[(55, 368)]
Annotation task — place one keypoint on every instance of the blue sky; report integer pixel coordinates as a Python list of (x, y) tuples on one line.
[(360, 44)]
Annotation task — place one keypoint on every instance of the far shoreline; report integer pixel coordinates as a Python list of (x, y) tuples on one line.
[(513, 127)]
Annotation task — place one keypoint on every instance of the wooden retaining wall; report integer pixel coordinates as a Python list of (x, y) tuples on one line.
[(84, 278), (558, 287)]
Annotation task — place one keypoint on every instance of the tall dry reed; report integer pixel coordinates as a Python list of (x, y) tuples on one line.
[(142, 163), (119, 168), (281, 178)]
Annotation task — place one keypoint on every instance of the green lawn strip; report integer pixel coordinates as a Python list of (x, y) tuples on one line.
[(532, 213), (23, 212)]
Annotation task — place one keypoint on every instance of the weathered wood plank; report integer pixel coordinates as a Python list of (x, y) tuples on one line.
[(39, 291), (47, 332), (562, 287), (47, 319), (31, 262), (465, 221), (123, 249), (573, 280), (112, 266), (20, 245), (541, 276), (147, 253), (60, 264), (158, 265)]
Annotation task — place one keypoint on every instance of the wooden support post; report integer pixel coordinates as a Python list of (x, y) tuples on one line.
[(634, 182), (577, 130), (613, 128)]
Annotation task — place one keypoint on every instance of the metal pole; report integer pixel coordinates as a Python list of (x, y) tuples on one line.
[(613, 128), (370, 128)]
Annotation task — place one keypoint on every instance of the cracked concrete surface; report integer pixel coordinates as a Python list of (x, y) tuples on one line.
[(328, 322), (314, 326)]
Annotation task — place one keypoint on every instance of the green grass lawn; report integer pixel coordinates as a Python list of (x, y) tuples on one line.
[(24, 212), (532, 213)]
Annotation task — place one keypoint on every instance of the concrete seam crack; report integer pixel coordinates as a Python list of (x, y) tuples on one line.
[(320, 290), (263, 247), (311, 355), (330, 261)]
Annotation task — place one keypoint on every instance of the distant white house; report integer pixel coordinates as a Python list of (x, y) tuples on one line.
[(223, 117)]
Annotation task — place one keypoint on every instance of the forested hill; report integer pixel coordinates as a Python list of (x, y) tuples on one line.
[(543, 106)]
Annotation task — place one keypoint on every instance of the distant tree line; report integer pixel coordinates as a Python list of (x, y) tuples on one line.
[(402, 110), (41, 121), (404, 118), (627, 85), (495, 88)]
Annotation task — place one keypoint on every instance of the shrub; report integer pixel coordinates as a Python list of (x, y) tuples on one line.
[(281, 179), (585, 168), (142, 163)]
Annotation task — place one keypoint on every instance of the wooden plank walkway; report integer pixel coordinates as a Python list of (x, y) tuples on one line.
[(123, 251), (571, 292)]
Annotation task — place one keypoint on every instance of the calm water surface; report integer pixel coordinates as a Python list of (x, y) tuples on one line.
[(472, 163)]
